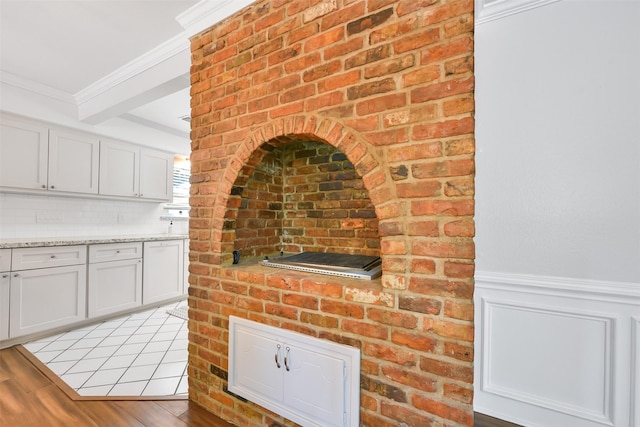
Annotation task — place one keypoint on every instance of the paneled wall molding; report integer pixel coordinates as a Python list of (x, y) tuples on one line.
[(557, 350), (497, 380), (488, 10), (560, 286), (635, 373)]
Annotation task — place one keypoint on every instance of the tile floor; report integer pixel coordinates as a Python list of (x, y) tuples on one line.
[(141, 354)]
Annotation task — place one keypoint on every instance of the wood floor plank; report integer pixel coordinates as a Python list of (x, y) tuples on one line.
[(176, 407), (481, 420), (105, 413), (197, 416), (59, 410), (18, 407), (150, 414), (12, 365)]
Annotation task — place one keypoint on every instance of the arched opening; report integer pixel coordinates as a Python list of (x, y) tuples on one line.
[(299, 195)]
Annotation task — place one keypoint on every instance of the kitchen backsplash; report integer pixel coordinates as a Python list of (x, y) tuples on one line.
[(28, 216)]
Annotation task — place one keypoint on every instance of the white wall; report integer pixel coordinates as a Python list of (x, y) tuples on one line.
[(33, 216), (558, 214), (558, 141)]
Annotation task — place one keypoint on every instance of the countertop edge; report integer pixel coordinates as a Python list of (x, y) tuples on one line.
[(69, 241)]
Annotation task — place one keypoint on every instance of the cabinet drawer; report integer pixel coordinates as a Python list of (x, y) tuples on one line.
[(58, 256), (5, 259), (114, 251)]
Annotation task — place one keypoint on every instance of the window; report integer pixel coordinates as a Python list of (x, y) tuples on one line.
[(179, 207)]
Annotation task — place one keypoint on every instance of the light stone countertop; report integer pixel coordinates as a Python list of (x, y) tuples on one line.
[(82, 240)]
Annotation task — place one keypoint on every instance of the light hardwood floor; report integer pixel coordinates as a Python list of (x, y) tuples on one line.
[(29, 398)]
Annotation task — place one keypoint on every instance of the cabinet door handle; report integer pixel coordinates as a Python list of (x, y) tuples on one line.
[(4, 276), (16, 275), (53, 256), (286, 355), (52, 187), (44, 186), (276, 356)]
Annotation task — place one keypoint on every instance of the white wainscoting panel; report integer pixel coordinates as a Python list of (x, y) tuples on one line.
[(556, 351), (635, 365)]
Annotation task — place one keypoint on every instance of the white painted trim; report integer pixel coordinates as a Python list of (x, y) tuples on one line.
[(35, 87), (143, 63), (488, 10), (207, 13), (560, 286), (634, 418)]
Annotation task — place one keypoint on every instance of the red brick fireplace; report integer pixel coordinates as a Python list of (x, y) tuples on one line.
[(342, 126)]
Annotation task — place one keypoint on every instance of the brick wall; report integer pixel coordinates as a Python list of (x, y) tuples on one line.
[(389, 85)]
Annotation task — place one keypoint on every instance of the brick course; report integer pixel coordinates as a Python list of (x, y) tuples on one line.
[(342, 125)]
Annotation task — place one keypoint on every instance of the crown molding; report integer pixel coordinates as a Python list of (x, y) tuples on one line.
[(35, 87), (145, 62), (489, 10), (207, 13)]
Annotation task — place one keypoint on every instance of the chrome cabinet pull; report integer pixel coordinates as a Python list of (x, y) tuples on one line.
[(286, 363), (276, 357)]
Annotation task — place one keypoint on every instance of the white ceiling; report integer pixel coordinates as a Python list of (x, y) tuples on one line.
[(124, 60)]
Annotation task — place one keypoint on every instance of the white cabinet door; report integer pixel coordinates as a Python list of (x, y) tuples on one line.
[(185, 283), (132, 171), (119, 169), (24, 149), (259, 360), (73, 162), (4, 305), (162, 275), (5, 266), (310, 381), (156, 175), (324, 401), (47, 298), (114, 286)]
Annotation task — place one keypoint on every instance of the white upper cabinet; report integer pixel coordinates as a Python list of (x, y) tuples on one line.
[(156, 174), (131, 171), (37, 158), (119, 169), (73, 162), (23, 154)]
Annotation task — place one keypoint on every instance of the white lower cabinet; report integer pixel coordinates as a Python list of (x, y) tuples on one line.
[(163, 270), (310, 381), (115, 278), (4, 305), (47, 298), (47, 288), (5, 266)]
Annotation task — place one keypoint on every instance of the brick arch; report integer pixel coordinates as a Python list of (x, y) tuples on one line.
[(367, 162)]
